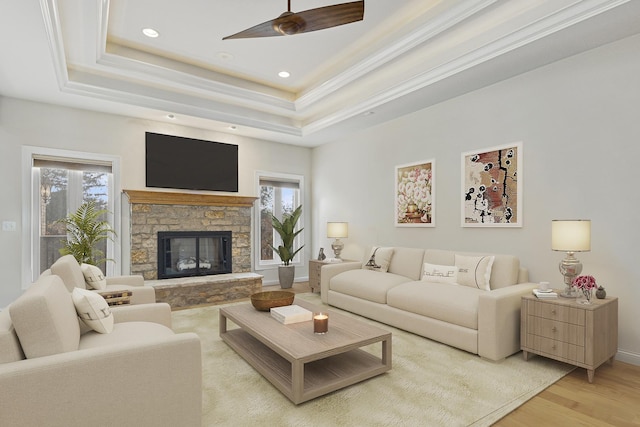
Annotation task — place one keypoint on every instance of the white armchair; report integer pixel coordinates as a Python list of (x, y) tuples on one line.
[(140, 374), (68, 269)]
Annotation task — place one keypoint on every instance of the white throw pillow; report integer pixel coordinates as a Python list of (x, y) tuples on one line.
[(379, 259), (474, 271), (93, 277), (93, 310), (439, 273)]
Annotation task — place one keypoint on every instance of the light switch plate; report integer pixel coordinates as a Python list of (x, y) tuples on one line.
[(9, 226)]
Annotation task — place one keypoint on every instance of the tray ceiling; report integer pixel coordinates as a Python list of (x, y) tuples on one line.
[(402, 57)]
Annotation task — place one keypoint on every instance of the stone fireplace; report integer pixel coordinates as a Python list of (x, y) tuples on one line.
[(179, 214), (155, 211)]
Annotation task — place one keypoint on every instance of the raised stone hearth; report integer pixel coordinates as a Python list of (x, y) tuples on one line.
[(204, 290)]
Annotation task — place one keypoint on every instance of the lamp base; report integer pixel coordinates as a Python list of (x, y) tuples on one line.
[(568, 292), (337, 247), (569, 267)]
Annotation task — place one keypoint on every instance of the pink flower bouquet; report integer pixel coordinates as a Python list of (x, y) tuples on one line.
[(586, 283)]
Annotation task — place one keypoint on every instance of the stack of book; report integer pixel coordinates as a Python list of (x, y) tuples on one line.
[(547, 293), (291, 314)]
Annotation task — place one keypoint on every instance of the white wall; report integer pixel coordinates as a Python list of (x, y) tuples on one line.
[(579, 123), (35, 124)]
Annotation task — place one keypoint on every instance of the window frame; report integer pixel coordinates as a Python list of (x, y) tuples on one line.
[(298, 260), (31, 204)]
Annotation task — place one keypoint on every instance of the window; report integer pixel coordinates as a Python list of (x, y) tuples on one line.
[(279, 194), (60, 183)]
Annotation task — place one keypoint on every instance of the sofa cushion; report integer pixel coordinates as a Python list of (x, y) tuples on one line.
[(378, 259), (504, 272), (126, 332), (449, 303), (366, 284), (10, 350), (474, 271), (68, 269), (407, 262), (93, 277), (93, 310), (45, 319), (439, 273)]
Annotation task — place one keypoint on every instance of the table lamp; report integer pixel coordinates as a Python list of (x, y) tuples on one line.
[(337, 230), (570, 236)]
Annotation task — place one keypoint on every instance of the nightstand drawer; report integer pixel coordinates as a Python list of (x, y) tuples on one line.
[(557, 312), (559, 331), (558, 349)]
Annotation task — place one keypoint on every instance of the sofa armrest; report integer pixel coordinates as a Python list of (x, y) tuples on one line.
[(499, 320), (155, 382), (129, 280), (156, 313), (330, 270)]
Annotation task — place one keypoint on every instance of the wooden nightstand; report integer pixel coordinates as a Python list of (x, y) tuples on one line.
[(315, 268), (561, 329), (314, 273)]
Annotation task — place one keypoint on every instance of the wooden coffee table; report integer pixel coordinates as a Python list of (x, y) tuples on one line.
[(299, 363)]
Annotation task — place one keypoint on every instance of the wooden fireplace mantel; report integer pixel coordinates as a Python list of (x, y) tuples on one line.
[(169, 198)]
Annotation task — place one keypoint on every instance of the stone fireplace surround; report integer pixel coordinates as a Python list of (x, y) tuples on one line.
[(153, 211)]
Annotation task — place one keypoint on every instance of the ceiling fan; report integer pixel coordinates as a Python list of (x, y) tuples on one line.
[(290, 23)]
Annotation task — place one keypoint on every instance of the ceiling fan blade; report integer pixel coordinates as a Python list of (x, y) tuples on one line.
[(306, 21), (332, 16), (261, 30)]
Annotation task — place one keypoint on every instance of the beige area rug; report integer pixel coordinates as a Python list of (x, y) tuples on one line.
[(431, 384)]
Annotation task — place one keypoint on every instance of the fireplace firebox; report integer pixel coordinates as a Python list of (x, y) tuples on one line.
[(193, 253)]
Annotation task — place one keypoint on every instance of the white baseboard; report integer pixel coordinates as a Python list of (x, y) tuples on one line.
[(628, 357)]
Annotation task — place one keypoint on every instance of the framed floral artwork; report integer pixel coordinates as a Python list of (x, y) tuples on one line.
[(492, 187), (415, 194)]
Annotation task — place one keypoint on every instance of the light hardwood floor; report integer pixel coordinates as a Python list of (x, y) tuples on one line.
[(613, 399)]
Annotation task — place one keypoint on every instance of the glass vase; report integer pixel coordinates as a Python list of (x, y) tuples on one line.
[(584, 296)]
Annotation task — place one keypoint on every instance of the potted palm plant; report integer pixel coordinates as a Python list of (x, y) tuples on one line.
[(85, 229), (286, 229)]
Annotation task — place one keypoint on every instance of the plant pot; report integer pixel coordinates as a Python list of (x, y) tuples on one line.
[(286, 274)]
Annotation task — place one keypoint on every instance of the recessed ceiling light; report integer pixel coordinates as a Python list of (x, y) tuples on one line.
[(150, 32), (368, 113), (284, 74), (233, 127), (171, 116)]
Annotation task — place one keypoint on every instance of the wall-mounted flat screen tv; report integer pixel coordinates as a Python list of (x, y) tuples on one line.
[(190, 164)]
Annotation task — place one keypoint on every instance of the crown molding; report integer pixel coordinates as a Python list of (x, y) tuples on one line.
[(442, 23), (124, 80), (528, 34)]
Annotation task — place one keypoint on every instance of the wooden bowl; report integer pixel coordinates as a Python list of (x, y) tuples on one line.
[(265, 301)]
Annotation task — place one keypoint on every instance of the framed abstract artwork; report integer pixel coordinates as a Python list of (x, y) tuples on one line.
[(492, 187), (415, 194)]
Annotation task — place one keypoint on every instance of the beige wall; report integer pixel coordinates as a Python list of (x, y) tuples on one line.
[(578, 121), (35, 124)]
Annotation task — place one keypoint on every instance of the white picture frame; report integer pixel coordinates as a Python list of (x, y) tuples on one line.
[(492, 186)]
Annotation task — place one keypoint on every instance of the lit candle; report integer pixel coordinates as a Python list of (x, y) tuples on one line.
[(320, 323)]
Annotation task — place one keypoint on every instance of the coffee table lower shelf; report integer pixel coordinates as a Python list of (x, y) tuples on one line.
[(301, 382)]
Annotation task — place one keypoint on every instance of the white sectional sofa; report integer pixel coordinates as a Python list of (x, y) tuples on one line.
[(481, 316)]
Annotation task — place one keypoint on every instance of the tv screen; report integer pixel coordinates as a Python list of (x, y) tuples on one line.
[(190, 164)]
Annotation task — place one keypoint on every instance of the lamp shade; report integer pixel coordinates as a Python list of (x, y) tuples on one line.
[(337, 230), (571, 235)]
